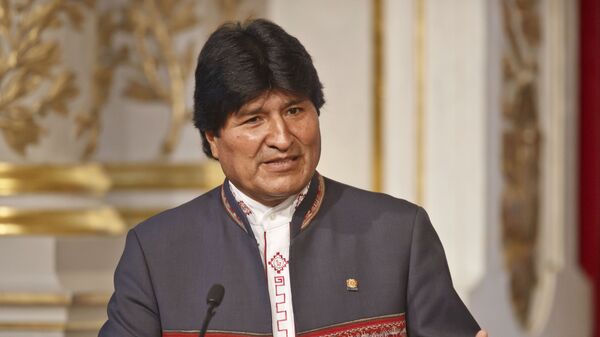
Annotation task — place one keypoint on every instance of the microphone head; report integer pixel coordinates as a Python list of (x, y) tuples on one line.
[(215, 295)]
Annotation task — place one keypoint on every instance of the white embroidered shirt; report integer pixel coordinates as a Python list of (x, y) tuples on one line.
[(271, 228)]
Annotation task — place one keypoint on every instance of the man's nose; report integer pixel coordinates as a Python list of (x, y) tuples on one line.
[(279, 135)]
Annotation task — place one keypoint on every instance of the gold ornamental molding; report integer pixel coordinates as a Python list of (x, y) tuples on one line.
[(155, 27), (163, 176), (33, 82), (18, 221), (378, 80), (522, 141), (420, 55), (25, 299), (81, 178), (134, 216), (34, 299), (91, 299), (83, 326), (150, 40)]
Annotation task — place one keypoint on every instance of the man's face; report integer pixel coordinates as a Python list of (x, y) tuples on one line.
[(270, 148)]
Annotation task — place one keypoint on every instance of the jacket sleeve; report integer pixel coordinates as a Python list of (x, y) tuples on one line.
[(132, 309), (434, 308)]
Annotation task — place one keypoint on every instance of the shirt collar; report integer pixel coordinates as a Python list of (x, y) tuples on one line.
[(306, 210), (257, 212)]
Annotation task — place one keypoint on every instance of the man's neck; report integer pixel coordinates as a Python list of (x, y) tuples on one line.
[(257, 205)]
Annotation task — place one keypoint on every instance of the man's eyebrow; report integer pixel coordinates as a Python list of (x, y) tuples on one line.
[(293, 101), (243, 112)]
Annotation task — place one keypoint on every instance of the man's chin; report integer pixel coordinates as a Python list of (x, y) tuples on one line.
[(283, 190)]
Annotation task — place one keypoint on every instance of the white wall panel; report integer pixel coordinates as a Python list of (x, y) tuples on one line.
[(337, 34), (455, 96), (399, 120)]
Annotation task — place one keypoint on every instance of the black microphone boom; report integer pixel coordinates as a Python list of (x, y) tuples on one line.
[(213, 299)]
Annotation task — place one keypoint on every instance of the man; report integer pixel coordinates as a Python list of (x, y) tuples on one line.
[(298, 254)]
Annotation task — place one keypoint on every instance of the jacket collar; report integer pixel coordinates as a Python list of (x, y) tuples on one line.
[(303, 215)]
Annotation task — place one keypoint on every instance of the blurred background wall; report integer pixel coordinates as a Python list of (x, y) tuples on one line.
[(484, 112)]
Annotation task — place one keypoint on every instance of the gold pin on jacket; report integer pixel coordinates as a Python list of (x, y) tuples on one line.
[(352, 284)]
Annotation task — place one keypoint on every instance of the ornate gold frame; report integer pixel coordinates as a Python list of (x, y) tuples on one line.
[(80, 178), (102, 220), (53, 299), (133, 216), (26, 299), (161, 176), (84, 326)]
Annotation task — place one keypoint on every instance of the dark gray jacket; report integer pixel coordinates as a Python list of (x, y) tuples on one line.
[(338, 233)]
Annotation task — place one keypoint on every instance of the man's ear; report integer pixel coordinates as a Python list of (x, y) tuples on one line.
[(212, 141)]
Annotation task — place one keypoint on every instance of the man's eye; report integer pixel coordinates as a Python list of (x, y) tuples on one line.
[(294, 110), (251, 120)]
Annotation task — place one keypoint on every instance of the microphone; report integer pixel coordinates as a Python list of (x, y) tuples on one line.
[(213, 299)]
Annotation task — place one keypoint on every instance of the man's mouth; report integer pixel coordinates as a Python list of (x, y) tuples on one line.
[(281, 160), (282, 163)]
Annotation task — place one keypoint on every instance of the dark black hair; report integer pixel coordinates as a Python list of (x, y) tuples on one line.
[(239, 62)]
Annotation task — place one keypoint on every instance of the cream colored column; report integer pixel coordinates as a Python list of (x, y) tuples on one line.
[(401, 94), (454, 134), (435, 131), (558, 303)]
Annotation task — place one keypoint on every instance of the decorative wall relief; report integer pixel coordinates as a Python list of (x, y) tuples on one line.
[(75, 73), (160, 69), (152, 46), (33, 82), (107, 61), (521, 151)]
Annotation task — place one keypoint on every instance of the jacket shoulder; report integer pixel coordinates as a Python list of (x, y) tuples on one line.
[(193, 213), (368, 201)]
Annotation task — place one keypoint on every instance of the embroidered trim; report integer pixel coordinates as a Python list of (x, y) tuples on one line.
[(299, 199), (310, 214), (280, 304), (278, 262), (316, 204), (391, 325), (211, 333), (230, 210), (244, 208)]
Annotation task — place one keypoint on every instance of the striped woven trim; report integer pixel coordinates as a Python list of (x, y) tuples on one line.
[(229, 209), (314, 209), (211, 333), (389, 325)]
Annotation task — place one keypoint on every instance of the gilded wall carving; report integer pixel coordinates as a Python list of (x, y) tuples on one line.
[(156, 54), (107, 61), (160, 71), (67, 65), (521, 150), (33, 82), (151, 45)]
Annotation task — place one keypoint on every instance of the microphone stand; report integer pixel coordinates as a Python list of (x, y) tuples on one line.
[(210, 312), (214, 298)]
